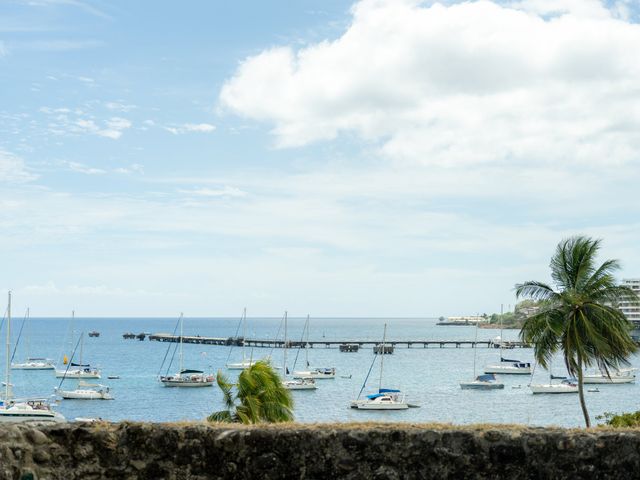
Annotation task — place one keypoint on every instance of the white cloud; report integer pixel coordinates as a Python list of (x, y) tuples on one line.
[(120, 107), (3, 49), (81, 168), (469, 83), (133, 168), (225, 191), (190, 128), (13, 169)]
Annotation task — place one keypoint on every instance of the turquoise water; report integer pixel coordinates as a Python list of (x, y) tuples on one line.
[(428, 376)]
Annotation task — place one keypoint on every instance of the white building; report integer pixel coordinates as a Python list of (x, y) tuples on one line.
[(631, 309)]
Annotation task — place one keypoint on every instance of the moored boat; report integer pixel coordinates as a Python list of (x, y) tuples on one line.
[(483, 382)]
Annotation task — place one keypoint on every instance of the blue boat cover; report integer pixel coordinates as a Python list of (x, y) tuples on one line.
[(489, 377), (375, 395), (388, 390), (80, 365), (507, 360), (190, 371)]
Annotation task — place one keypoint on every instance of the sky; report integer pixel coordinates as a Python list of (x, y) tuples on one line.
[(376, 158)]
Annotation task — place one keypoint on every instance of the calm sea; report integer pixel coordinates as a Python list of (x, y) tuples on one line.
[(428, 376)]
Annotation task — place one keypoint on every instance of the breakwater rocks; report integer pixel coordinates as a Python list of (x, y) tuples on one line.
[(376, 451)]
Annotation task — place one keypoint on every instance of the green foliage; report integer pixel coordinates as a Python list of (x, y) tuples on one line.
[(579, 319), (621, 420), (259, 397)]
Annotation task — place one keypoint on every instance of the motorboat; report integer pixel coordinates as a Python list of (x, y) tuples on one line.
[(626, 375), (34, 363), (23, 410), (507, 366), (385, 399), (86, 391), (568, 385), (483, 382)]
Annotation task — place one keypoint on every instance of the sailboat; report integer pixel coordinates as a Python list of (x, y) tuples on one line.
[(245, 363), (186, 377), (616, 377), (25, 410), (296, 383), (86, 391), (385, 398), (506, 365), (481, 382), (315, 373), (79, 369), (31, 363), (567, 385)]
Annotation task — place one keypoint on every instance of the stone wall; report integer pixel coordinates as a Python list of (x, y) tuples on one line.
[(377, 451)]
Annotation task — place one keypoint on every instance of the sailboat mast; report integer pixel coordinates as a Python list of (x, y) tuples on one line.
[(28, 337), (244, 331), (306, 347), (475, 350), (284, 359), (7, 390), (501, 337), (384, 339), (181, 333)]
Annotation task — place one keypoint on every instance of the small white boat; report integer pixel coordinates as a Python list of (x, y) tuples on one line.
[(509, 367), (316, 373), (77, 370), (240, 365), (483, 382), (385, 399), (567, 385), (86, 391), (300, 384), (615, 377), (33, 363)]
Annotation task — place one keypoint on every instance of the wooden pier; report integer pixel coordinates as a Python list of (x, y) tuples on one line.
[(258, 343)]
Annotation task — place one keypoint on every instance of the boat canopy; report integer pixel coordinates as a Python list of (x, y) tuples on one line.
[(375, 395), (388, 390), (80, 365), (508, 360), (488, 377), (190, 371)]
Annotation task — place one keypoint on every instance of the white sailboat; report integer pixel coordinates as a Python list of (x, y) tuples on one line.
[(25, 410), (616, 377), (186, 377), (567, 385), (79, 369), (296, 383), (86, 391), (314, 373), (385, 398), (481, 382), (32, 363), (508, 366), (246, 362)]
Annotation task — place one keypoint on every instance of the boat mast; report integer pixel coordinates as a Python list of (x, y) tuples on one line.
[(475, 350), (306, 347), (244, 331), (501, 337), (284, 356), (181, 330), (7, 390), (384, 339)]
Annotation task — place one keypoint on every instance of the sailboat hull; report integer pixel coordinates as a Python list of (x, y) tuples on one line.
[(507, 370), (481, 386), (32, 366), (553, 388), (77, 374)]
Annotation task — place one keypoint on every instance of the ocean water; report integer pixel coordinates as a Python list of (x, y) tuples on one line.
[(429, 376)]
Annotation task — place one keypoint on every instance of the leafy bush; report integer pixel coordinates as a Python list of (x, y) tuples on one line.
[(621, 420)]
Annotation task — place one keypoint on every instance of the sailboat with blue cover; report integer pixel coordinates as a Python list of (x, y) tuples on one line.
[(384, 398)]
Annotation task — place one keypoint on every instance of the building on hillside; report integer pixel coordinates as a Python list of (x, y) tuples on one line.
[(632, 309)]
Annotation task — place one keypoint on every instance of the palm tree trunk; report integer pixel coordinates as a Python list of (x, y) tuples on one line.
[(581, 394)]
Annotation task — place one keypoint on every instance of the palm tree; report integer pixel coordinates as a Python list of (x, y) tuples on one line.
[(581, 318), (260, 397)]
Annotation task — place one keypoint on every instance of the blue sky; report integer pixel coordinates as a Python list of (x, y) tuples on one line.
[(383, 157)]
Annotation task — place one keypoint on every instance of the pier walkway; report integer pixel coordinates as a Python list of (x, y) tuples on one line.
[(163, 337)]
